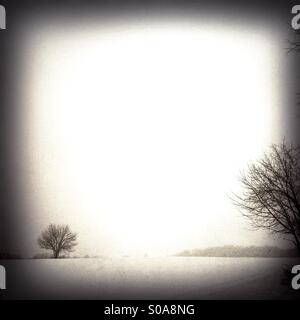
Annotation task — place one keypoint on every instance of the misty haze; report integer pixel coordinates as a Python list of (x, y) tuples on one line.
[(135, 135)]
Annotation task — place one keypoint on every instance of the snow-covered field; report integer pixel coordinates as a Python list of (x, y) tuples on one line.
[(143, 278)]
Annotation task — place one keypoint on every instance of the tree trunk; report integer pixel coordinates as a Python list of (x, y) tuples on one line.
[(297, 242)]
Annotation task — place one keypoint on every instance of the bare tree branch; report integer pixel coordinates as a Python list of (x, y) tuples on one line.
[(271, 192), (57, 238)]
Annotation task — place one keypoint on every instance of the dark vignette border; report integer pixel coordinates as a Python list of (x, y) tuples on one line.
[(11, 230)]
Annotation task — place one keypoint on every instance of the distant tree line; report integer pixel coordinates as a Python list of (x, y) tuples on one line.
[(240, 251)]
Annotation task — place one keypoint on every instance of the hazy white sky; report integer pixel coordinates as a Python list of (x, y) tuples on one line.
[(134, 136)]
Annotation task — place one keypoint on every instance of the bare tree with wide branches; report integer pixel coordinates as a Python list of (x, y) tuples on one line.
[(57, 238), (271, 192)]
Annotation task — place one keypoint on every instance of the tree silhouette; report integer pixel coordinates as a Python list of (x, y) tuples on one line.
[(271, 193), (57, 238)]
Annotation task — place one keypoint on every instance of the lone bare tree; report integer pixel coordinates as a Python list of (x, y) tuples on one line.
[(57, 238), (271, 193)]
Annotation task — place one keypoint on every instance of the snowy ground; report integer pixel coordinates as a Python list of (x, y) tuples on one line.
[(147, 278)]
